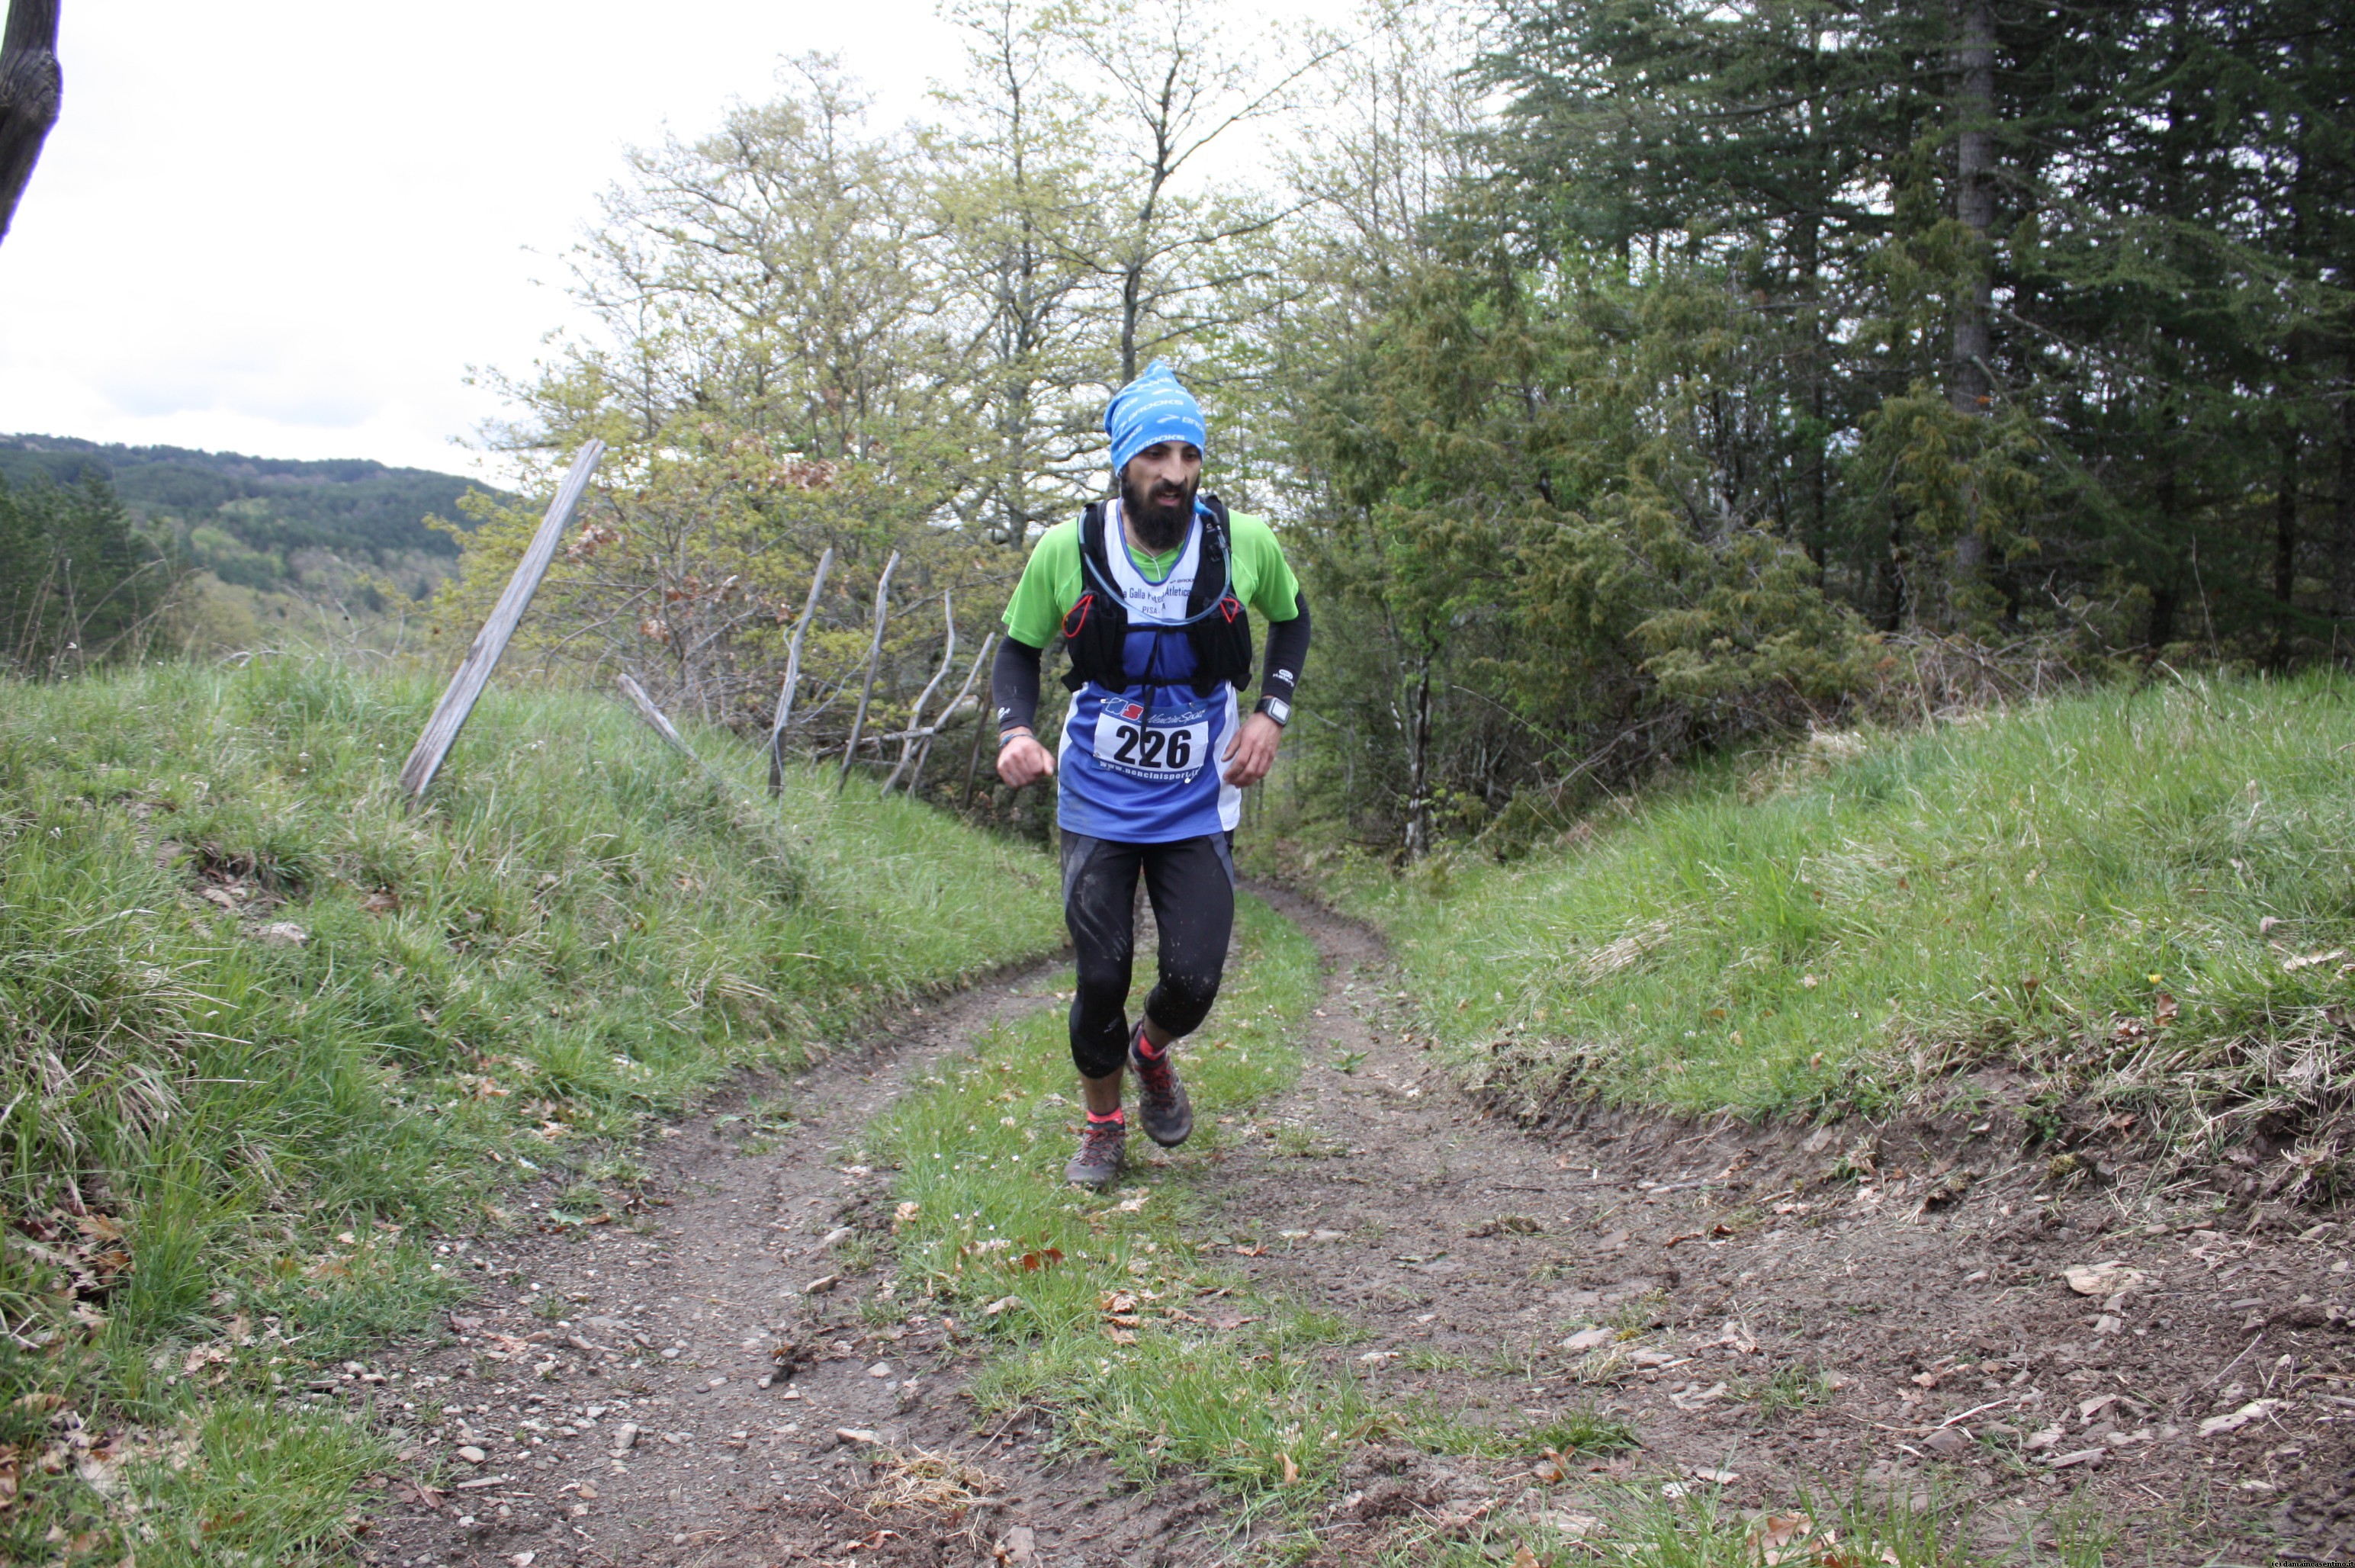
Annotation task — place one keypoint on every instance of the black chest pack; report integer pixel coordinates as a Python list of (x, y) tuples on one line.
[(1095, 630)]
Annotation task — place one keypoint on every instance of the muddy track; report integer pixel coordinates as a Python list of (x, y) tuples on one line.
[(1909, 1327), (1901, 1329), (602, 1402)]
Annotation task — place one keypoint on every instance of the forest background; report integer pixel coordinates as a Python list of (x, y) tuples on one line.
[(1628, 377)]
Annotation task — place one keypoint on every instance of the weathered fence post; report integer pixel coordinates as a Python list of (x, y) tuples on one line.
[(916, 779), (655, 718), (793, 677), (466, 686), (874, 656), (914, 735)]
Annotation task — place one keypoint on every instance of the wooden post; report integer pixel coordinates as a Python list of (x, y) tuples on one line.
[(916, 715), (874, 656), (793, 677), (655, 718), (973, 763), (474, 672), (917, 778)]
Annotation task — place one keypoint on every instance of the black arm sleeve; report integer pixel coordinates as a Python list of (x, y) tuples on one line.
[(1287, 645), (1014, 685)]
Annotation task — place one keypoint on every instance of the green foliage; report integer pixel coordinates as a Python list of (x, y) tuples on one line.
[(2081, 887), (79, 583), (246, 517), (245, 1104)]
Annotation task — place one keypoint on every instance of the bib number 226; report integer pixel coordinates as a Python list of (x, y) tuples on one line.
[(1139, 748)]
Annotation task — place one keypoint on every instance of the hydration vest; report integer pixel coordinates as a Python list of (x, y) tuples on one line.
[(1095, 629)]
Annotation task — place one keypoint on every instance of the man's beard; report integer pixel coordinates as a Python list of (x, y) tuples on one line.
[(1159, 521)]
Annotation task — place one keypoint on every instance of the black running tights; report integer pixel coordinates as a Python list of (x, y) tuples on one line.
[(1192, 885)]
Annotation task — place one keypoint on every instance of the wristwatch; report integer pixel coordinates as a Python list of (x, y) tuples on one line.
[(1276, 707)]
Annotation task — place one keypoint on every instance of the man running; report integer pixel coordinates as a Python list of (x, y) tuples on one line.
[(1147, 593)]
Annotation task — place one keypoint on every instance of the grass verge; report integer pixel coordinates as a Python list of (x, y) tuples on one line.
[(2147, 897), (1694, 1527), (262, 1025)]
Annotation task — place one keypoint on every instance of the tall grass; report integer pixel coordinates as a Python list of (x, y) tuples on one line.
[(2115, 889), (383, 1011)]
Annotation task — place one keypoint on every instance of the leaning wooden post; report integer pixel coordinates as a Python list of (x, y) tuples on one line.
[(474, 672), (916, 779), (874, 656), (915, 734), (655, 718), (793, 677)]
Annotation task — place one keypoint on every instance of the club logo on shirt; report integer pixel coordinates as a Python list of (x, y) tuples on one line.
[(1129, 710)]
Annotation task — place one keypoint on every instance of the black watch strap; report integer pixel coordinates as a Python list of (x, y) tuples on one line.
[(1276, 707)]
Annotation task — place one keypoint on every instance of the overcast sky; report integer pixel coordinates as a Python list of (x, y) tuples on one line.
[(289, 228)]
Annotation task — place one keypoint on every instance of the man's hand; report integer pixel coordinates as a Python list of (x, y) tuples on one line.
[(1251, 751), (1023, 760)]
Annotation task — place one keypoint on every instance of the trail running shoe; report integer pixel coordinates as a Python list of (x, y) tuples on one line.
[(1161, 1103), (1098, 1162)]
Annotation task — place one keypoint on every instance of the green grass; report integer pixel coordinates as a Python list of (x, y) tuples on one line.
[(235, 1145), (2077, 886), (1639, 1526)]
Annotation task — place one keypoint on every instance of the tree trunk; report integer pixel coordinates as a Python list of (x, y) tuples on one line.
[(1418, 786), (31, 89), (2285, 548), (2342, 574), (1968, 384)]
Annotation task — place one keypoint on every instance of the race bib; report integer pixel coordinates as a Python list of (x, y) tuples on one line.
[(1167, 745)]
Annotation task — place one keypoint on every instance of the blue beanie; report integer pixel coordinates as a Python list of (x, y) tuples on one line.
[(1151, 409)]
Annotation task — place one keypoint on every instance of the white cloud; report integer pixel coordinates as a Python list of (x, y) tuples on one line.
[(291, 227)]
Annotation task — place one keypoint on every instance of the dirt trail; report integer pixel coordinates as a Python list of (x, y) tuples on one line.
[(1912, 1328), (604, 1395), (1765, 1324)]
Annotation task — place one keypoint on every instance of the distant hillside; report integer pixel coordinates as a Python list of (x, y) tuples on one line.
[(249, 518)]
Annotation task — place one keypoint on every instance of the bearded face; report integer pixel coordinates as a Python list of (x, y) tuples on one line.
[(1158, 502)]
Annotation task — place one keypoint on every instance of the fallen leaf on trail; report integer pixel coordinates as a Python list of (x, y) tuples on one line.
[(1121, 1336), (2255, 1410), (1131, 1204), (2107, 1277), (1779, 1538), (203, 1356), (1653, 1359), (1925, 1379), (1696, 1399), (1046, 1258), (1231, 1322), (1715, 1478), (283, 934), (821, 1284), (1016, 1548), (1684, 1236), (1003, 1303), (2082, 1457), (1291, 1470), (903, 1214), (1947, 1444), (2166, 1009), (2292, 965), (1524, 1558), (1252, 1252), (1590, 1339)]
